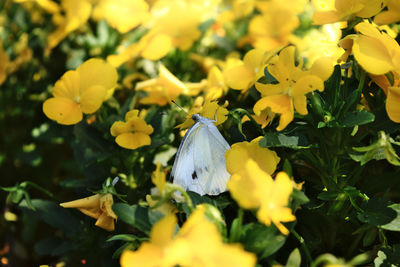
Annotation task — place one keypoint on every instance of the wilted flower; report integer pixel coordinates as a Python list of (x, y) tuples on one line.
[(98, 206)]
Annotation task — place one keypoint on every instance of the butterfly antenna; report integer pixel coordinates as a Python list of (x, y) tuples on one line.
[(179, 106)]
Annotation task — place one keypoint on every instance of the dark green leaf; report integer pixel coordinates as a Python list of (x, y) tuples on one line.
[(294, 259), (358, 117), (394, 225), (262, 240), (134, 215), (377, 212), (52, 246), (123, 237)]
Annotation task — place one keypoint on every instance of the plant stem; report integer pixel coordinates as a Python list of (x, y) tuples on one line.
[(303, 244)]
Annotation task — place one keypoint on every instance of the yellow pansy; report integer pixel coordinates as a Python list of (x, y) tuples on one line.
[(162, 90), (209, 109), (77, 12), (392, 15), (320, 42), (392, 92), (197, 243), (242, 75), (376, 51), (293, 85), (81, 91), (253, 188), (340, 10), (132, 133), (266, 159), (124, 15), (215, 86), (4, 64), (98, 206), (273, 28)]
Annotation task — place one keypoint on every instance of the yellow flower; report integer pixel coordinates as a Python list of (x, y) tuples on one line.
[(77, 12), (340, 10), (273, 28), (266, 159), (124, 15), (374, 50), (98, 206), (81, 91), (132, 133), (215, 87), (392, 15), (198, 243), (209, 109), (253, 188), (162, 90), (294, 84), (4, 64), (242, 75), (320, 42)]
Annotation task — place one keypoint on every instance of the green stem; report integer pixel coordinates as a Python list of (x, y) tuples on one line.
[(185, 195), (302, 244)]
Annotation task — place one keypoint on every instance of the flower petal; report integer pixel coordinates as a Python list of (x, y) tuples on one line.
[(63, 110), (392, 103), (133, 140), (157, 47), (92, 98)]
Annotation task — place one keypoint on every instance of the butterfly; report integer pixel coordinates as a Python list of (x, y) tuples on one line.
[(199, 164)]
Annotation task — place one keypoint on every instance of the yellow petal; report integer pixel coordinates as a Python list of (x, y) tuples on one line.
[(392, 103), (97, 72), (67, 86), (106, 203), (239, 77), (87, 202), (139, 125), (270, 89), (133, 140), (162, 232), (372, 55), (281, 104), (322, 67), (148, 255), (157, 47), (106, 222), (63, 110), (371, 8), (92, 98)]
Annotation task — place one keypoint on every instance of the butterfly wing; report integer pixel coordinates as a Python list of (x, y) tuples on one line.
[(183, 170), (209, 148)]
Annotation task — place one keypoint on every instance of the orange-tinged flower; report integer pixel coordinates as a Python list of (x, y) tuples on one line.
[(132, 133), (208, 109), (392, 15), (294, 83), (376, 51), (266, 159), (253, 188), (81, 91), (341, 10), (197, 243), (98, 206), (162, 90), (77, 12), (242, 75)]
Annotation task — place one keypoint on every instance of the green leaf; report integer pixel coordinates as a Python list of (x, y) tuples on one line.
[(272, 139), (54, 215), (393, 225), (262, 240), (123, 237), (388, 257), (358, 117), (294, 259), (377, 211), (134, 215), (53, 246)]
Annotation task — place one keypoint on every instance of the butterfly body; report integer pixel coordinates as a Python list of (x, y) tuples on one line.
[(199, 164)]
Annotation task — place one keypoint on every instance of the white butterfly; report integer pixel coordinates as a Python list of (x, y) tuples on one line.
[(199, 164)]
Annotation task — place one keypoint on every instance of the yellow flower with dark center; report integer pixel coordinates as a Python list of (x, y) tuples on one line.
[(81, 91), (253, 188), (330, 11), (132, 133), (162, 90), (293, 85), (197, 243), (241, 75), (98, 206)]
